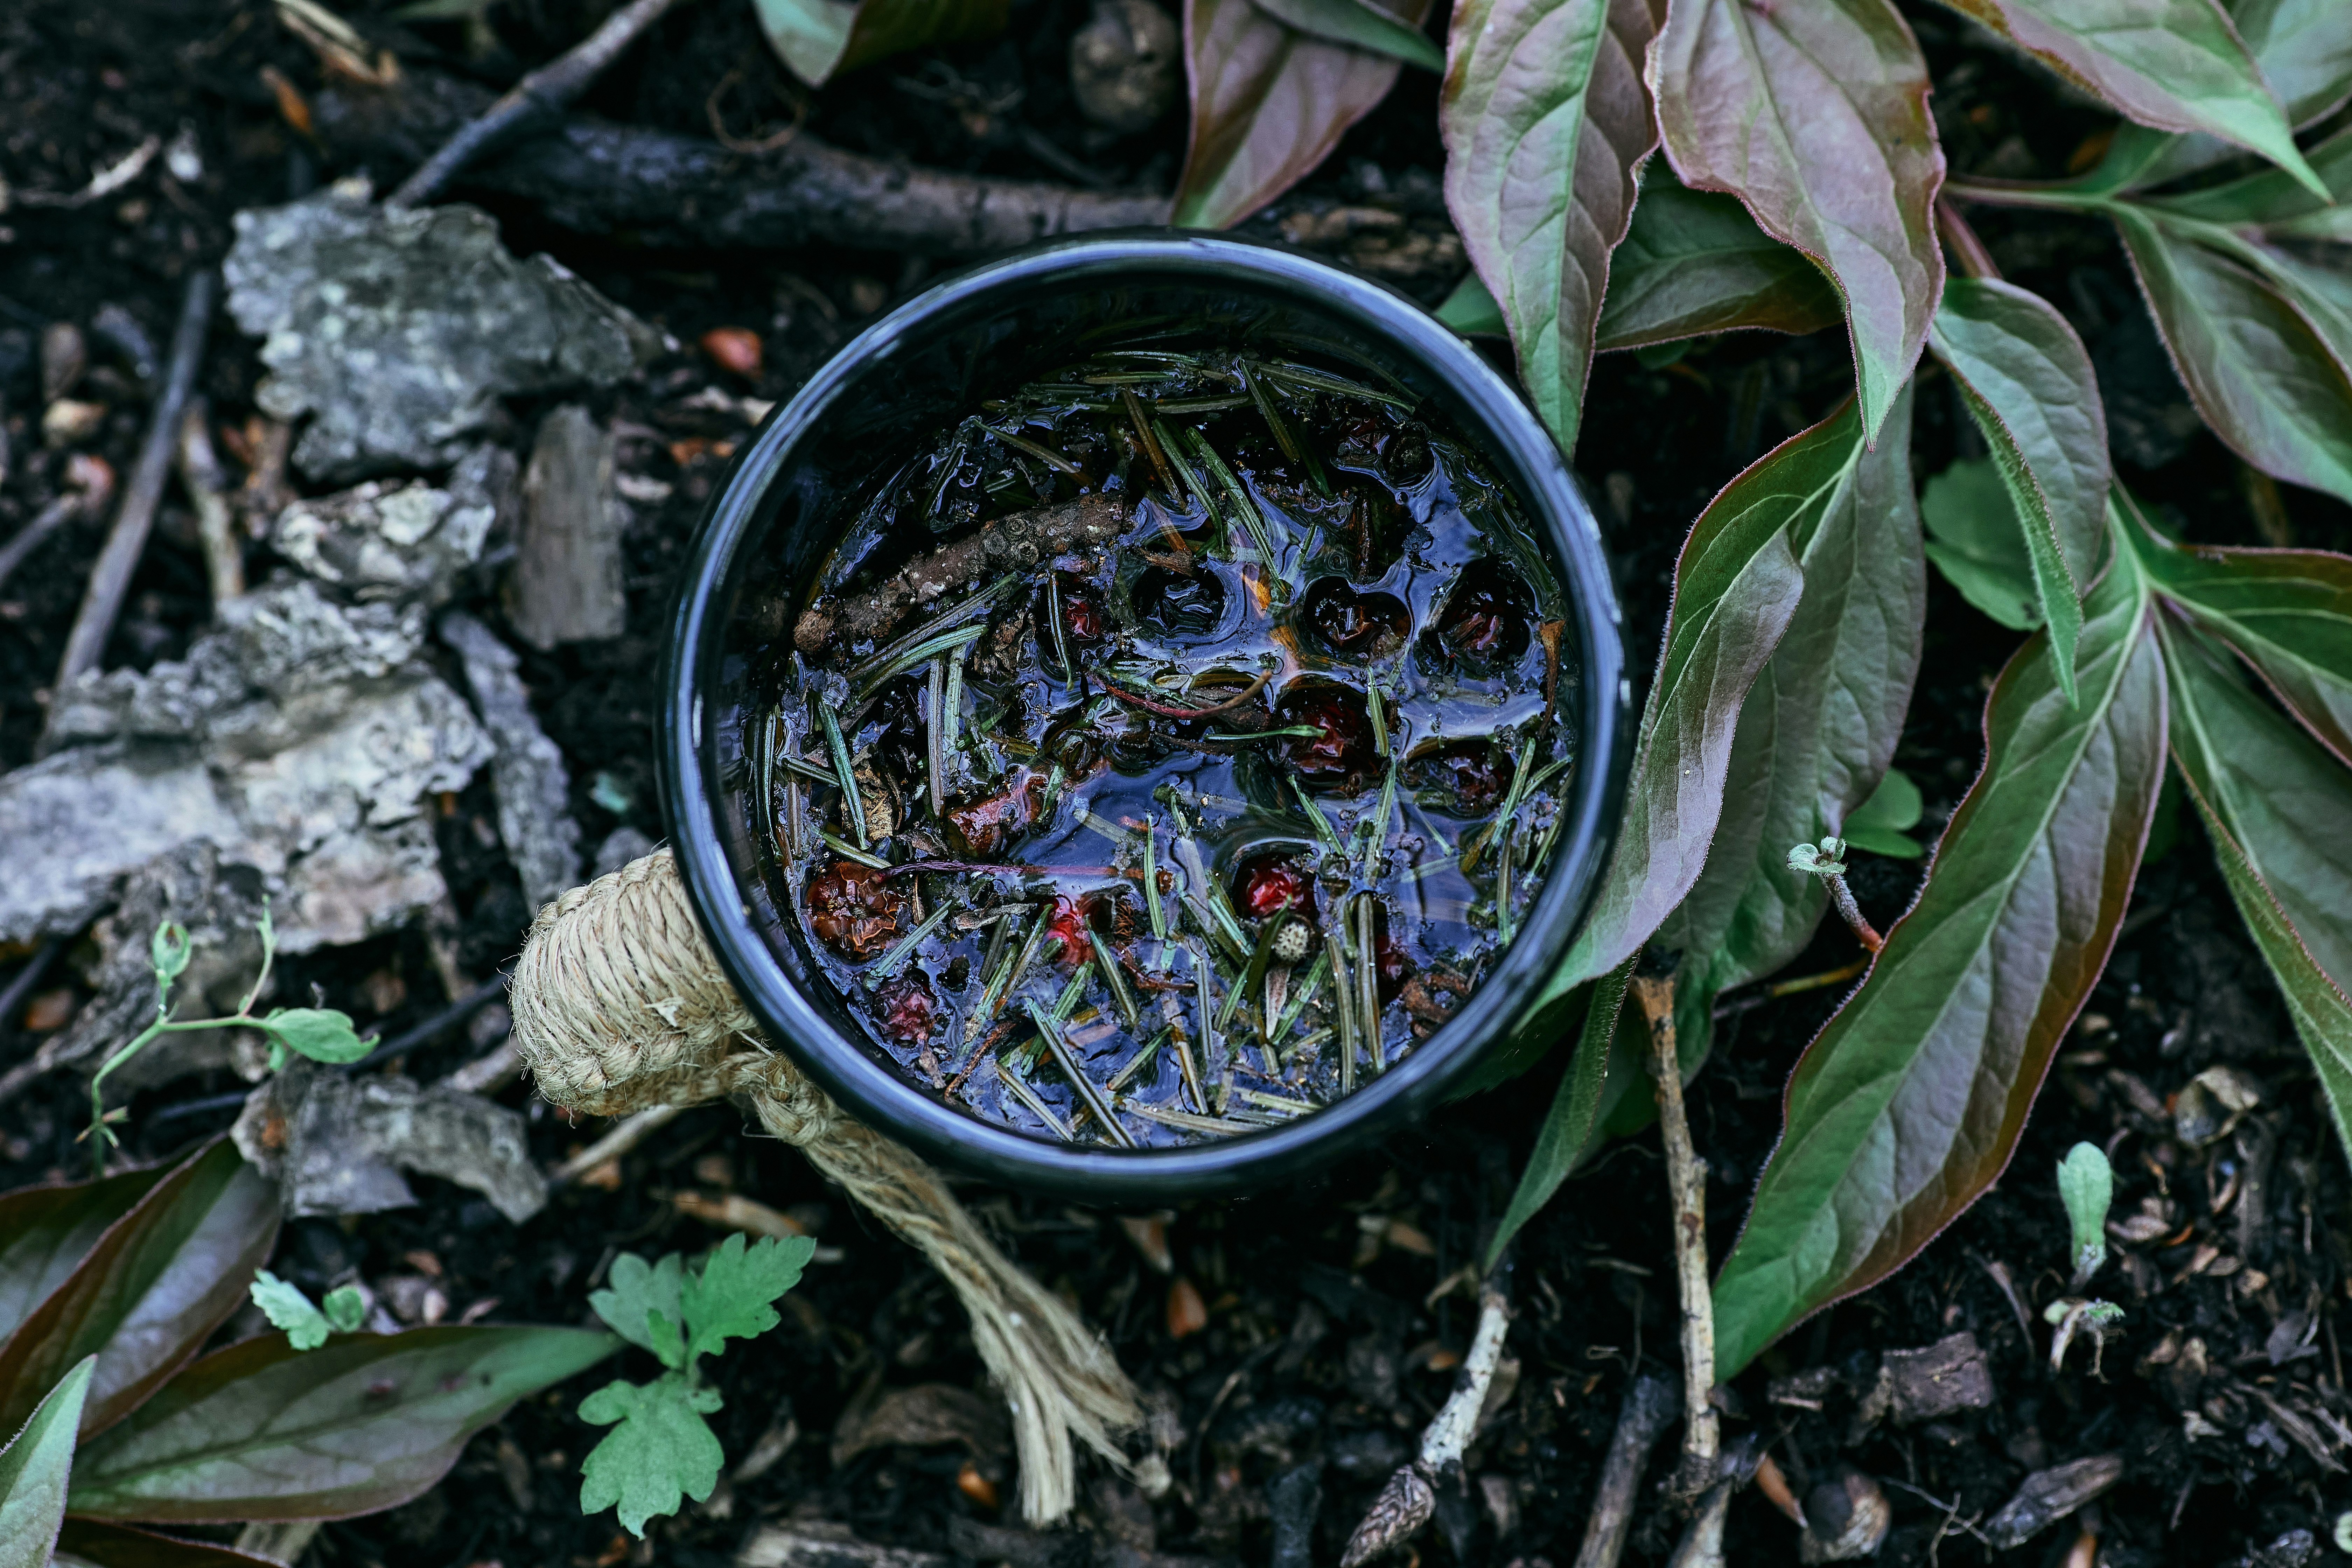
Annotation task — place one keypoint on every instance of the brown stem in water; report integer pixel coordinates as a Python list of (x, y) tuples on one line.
[(1172, 710), (1686, 1182), (1850, 912)]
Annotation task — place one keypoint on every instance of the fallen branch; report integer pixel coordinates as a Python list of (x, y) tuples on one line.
[(110, 579), (1406, 1504), (538, 96), (664, 189), (89, 482), (1649, 1409), (1686, 1182), (1014, 542)]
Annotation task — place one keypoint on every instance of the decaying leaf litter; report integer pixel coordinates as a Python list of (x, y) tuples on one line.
[(2190, 966)]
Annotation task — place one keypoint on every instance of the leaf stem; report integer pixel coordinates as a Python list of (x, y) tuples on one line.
[(1842, 897), (1968, 249)]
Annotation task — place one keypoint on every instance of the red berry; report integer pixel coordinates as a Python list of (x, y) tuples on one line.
[(1342, 743), (907, 1012), (1082, 618), (1475, 774), (1067, 926), (1267, 886)]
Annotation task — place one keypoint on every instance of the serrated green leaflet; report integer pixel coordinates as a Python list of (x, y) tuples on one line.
[(1909, 1101), (640, 1290), (730, 1296), (661, 1451), (286, 1308)]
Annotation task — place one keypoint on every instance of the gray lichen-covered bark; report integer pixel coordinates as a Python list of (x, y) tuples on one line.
[(399, 331), (401, 543), (534, 789), (566, 586)]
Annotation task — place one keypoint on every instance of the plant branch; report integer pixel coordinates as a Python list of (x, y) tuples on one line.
[(1968, 249), (2007, 194), (538, 97), (1850, 912), (1686, 1182)]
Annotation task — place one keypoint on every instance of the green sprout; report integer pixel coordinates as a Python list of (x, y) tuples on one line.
[(1827, 861), (307, 1327), (321, 1033), (2086, 1184)]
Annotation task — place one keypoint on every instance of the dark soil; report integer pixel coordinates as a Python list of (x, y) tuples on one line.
[(1334, 1313)]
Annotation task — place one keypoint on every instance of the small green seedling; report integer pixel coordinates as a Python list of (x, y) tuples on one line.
[(2086, 1186), (307, 1327), (1827, 861), (2086, 1183), (321, 1033), (663, 1449)]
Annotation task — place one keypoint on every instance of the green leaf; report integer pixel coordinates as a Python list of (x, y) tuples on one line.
[(2086, 1186), (2306, 53), (2258, 369), (728, 1297), (151, 1291), (1816, 117), (1909, 1101), (1471, 311), (321, 1033), (262, 1430), (94, 1544), (1818, 726), (286, 1308), (1360, 24), (1545, 119), (820, 39), (1881, 825), (2285, 801), (662, 1452), (1269, 102), (641, 1306), (2287, 613), (44, 1232), (33, 1471), (1567, 1131), (2026, 379), (2175, 65), (1976, 543), (2268, 197), (1736, 588), (169, 952), (1693, 262), (346, 1308)]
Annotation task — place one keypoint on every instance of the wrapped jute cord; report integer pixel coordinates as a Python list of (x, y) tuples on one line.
[(619, 1006)]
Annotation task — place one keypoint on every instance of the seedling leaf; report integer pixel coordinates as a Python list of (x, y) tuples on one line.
[(346, 1308), (661, 1450), (2086, 1186), (286, 1308), (732, 1296), (321, 1033), (641, 1306)]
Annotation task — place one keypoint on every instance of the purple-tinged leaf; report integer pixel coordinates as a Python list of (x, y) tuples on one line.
[(1694, 262), (93, 1543), (820, 39), (1815, 116), (1545, 121), (262, 1430), (1268, 103), (1818, 728), (2287, 613), (45, 1231), (2286, 802), (1908, 1103), (1361, 24), (148, 1295), (2259, 370), (33, 1468), (2026, 379), (2306, 53), (2175, 65)]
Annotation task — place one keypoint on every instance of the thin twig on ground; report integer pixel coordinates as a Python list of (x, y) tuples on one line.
[(200, 476), (538, 97), (1649, 1409), (1686, 1182), (1406, 1504), (89, 484), (615, 1143), (1702, 1542), (110, 579)]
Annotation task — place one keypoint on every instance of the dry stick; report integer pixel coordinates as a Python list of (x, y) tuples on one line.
[(615, 1143), (200, 476), (1406, 1504), (1686, 1182), (1648, 1411), (110, 579), (540, 96), (46, 521)]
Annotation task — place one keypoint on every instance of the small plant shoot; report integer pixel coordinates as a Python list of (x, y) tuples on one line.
[(306, 1326), (2086, 1184), (661, 1450)]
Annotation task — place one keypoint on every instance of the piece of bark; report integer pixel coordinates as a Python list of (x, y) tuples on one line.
[(534, 789), (567, 575), (1937, 1380), (1013, 542), (665, 189), (2045, 1497), (819, 1543)]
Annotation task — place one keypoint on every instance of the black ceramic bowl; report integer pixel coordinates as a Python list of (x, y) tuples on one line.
[(986, 332)]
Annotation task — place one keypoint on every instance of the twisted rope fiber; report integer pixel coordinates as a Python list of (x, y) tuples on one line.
[(620, 1007)]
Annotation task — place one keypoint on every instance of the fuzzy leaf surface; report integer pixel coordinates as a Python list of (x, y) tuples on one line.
[(1694, 262), (45, 1231), (1975, 539), (1816, 117), (1818, 726), (819, 40), (33, 1471), (262, 1430), (2257, 368), (1909, 1101), (2176, 65), (1269, 102), (151, 1291), (2026, 379), (661, 1451), (1545, 117), (95, 1543), (2287, 613)]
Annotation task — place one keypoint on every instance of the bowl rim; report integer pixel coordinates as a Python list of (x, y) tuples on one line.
[(882, 1097)]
